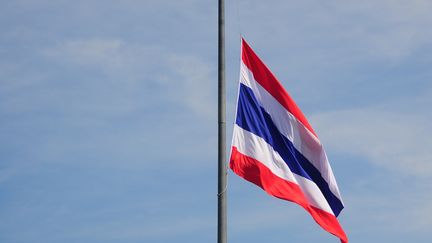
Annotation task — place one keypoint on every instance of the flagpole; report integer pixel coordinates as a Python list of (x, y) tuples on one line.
[(222, 168)]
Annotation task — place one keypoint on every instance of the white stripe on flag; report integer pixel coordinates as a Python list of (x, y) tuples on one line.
[(255, 147)]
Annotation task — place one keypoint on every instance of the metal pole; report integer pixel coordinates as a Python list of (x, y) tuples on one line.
[(222, 168)]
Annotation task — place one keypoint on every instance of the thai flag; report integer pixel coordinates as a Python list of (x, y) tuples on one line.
[(275, 147)]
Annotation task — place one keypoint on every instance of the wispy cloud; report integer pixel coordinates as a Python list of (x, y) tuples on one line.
[(390, 138), (194, 83), (130, 230), (94, 85), (186, 80), (386, 30), (393, 202)]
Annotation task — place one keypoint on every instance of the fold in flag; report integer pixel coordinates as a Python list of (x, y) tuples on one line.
[(275, 147)]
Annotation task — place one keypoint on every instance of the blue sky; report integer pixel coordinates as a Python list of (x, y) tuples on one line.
[(108, 117)]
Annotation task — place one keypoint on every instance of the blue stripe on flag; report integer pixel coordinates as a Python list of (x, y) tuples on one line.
[(253, 118)]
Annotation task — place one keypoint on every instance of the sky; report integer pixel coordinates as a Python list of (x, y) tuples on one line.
[(108, 125)]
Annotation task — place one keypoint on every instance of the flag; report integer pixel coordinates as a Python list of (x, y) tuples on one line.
[(275, 147)]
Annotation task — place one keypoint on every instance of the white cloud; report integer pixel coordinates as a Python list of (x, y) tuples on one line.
[(340, 32), (196, 81), (91, 86), (114, 57), (394, 138), (173, 227), (105, 52), (389, 202), (390, 29), (185, 79)]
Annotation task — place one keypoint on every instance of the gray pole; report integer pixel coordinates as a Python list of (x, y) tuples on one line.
[(222, 168)]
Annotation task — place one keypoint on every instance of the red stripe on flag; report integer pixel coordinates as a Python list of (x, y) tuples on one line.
[(269, 82), (254, 171)]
